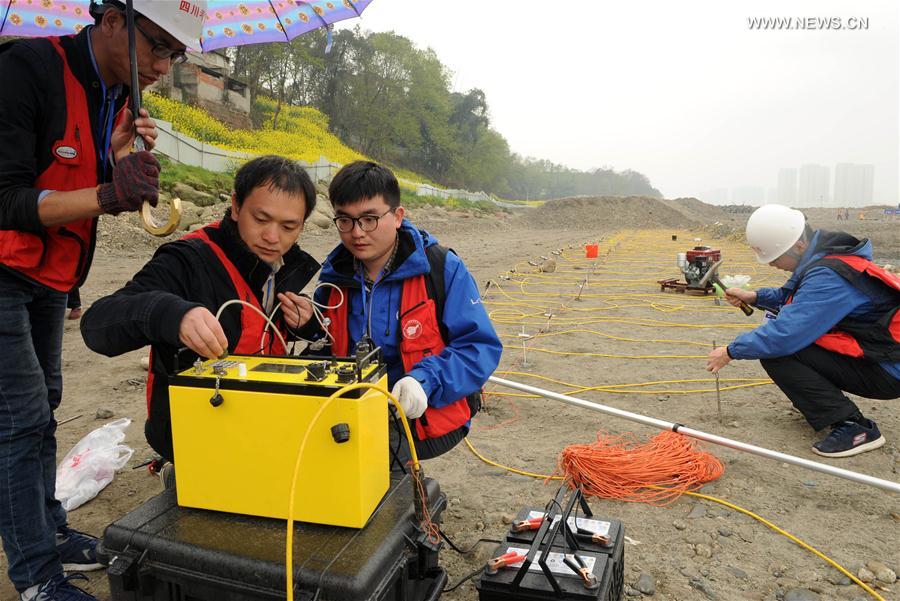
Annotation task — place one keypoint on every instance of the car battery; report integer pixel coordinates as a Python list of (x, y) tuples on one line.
[(164, 552), (552, 553), (608, 570), (237, 425), (595, 534)]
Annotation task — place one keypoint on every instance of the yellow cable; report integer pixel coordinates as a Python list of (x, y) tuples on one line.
[(747, 512), (289, 542)]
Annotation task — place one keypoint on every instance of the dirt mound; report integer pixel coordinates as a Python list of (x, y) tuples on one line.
[(699, 210), (616, 212)]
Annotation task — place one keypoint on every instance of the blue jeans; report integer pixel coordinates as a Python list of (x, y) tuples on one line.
[(31, 330)]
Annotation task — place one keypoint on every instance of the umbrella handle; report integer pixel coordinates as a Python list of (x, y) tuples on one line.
[(157, 229), (135, 99), (147, 220)]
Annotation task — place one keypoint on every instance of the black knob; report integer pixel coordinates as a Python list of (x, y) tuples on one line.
[(216, 400), (340, 433)]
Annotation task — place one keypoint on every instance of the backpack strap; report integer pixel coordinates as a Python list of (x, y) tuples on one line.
[(434, 283)]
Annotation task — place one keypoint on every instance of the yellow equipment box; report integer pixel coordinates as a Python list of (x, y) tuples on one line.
[(237, 425)]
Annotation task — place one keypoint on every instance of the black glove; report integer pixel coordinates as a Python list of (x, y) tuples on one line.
[(135, 179)]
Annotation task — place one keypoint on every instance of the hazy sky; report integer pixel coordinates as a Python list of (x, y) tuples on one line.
[(684, 92)]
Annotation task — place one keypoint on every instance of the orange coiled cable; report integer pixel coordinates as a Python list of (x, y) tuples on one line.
[(625, 468)]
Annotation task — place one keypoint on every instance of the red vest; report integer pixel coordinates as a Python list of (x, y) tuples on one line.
[(58, 257), (251, 341), (878, 340), (420, 338)]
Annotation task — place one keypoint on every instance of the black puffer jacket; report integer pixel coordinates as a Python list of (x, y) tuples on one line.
[(182, 275)]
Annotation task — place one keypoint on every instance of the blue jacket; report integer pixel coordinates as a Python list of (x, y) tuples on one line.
[(472, 350), (822, 298)]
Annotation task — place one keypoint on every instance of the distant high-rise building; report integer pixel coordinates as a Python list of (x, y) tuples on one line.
[(813, 186), (748, 195), (853, 184), (787, 187)]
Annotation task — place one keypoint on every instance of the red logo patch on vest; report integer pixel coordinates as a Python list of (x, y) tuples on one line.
[(412, 329)]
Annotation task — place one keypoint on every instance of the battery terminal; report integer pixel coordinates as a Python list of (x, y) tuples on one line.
[(575, 563), (507, 559), (529, 524), (594, 537)]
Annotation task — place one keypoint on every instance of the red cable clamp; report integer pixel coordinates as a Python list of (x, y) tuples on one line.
[(502, 561), (529, 524)]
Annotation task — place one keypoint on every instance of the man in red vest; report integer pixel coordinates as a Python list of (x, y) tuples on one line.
[(65, 142), (250, 255), (415, 300), (837, 327)]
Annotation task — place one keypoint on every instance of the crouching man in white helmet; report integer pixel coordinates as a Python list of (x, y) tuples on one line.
[(837, 327)]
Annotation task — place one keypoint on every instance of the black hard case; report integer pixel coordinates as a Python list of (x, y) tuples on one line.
[(163, 552)]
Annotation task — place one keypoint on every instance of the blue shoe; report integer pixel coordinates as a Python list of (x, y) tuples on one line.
[(58, 588), (77, 550), (850, 438)]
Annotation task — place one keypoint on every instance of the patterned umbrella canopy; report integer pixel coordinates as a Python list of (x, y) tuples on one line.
[(228, 23)]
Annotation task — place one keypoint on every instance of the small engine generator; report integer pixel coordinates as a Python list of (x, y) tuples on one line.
[(693, 264)]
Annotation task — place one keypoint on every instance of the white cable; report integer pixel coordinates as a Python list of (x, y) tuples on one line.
[(236, 301), (317, 313)]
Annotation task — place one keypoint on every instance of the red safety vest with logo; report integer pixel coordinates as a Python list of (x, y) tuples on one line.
[(252, 323), (58, 257), (420, 337), (877, 339)]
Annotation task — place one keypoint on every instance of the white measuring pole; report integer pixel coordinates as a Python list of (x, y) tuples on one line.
[(719, 440)]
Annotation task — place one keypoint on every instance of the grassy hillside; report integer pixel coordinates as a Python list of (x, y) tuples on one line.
[(302, 132)]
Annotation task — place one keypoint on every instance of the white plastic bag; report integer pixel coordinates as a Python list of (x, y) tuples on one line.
[(91, 464)]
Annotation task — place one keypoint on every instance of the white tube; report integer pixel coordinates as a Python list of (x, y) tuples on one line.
[(719, 440)]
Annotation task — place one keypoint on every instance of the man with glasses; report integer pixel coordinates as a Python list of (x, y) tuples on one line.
[(65, 141), (403, 292)]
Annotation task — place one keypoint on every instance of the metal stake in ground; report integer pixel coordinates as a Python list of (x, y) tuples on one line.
[(525, 338), (718, 392)]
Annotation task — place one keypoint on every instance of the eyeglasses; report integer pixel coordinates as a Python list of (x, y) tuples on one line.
[(161, 50), (367, 223)]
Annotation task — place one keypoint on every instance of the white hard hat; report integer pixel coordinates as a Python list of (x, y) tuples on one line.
[(772, 230), (182, 19)]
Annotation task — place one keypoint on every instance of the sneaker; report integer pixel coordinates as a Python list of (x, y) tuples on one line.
[(58, 588), (850, 438), (166, 473), (77, 550)]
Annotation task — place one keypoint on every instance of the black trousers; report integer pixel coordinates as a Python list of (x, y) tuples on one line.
[(73, 301), (814, 380), (425, 449)]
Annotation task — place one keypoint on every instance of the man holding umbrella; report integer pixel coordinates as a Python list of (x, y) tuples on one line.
[(65, 158)]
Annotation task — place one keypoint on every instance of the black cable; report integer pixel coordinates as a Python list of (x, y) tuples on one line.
[(395, 452), (463, 580), (470, 549)]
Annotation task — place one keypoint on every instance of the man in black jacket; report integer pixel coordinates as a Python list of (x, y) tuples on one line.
[(251, 255), (65, 142)]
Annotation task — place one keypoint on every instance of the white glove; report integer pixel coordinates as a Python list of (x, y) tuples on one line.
[(411, 395)]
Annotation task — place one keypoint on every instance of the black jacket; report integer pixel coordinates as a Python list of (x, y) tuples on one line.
[(33, 118), (182, 275)]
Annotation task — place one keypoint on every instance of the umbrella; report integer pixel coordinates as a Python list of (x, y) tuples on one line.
[(228, 23)]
